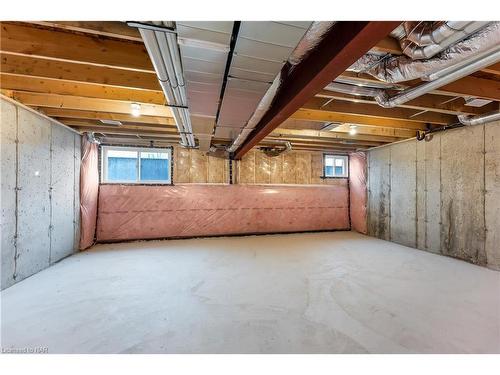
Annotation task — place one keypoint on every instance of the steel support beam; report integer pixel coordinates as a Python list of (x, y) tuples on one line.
[(340, 48)]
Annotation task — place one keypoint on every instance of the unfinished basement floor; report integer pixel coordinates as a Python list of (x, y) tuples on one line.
[(336, 292)]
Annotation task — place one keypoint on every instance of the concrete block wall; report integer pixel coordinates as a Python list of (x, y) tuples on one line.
[(40, 175), (440, 195)]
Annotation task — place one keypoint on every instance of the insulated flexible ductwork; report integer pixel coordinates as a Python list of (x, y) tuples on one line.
[(308, 42), (281, 147), (457, 72), (424, 40), (403, 68), (163, 50)]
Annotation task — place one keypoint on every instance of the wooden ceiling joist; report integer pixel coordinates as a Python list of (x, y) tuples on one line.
[(284, 133), (85, 104), (130, 126), (340, 47), (325, 116), (75, 72), (374, 110), (110, 29), (467, 86), (428, 102), (90, 90), (27, 40), (92, 115)]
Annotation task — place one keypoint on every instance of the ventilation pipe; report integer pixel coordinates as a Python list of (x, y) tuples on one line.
[(276, 150), (162, 47), (479, 119), (387, 101), (394, 69), (424, 42)]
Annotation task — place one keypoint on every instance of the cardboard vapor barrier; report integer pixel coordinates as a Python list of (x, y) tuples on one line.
[(146, 212)]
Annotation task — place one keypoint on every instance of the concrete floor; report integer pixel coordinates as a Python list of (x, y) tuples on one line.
[(303, 293)]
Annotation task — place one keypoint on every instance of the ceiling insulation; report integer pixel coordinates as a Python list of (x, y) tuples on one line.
[(261, 50)]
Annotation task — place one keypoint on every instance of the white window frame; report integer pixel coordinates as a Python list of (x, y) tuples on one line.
[(104, 164), (345, 158)]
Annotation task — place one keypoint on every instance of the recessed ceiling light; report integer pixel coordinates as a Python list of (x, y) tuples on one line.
[(352, 129), (135, 109)]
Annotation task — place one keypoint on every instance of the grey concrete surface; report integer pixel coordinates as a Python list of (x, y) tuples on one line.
[(337, 292), (444, 193), (39, 195)]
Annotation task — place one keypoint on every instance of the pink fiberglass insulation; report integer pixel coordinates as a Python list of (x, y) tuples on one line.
[(89, 190), (358, 195), (145, 212)]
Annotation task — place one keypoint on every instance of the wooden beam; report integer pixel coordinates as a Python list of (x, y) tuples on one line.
[(118, 130), (70, 71), (89, 90), (373, 110), (318, 143), (142, 127), (492, 69), (428, 102), (468, 86), (315, 115), (59, 45), (340, 47), (472, 86), (92, 115), (110, 29), (331, 135), (86, 104), (373, 130), (388, 45)]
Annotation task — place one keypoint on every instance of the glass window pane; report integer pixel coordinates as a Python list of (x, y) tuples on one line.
[(155, 166), (122, 165)]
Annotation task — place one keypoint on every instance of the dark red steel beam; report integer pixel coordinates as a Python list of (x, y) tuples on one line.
[(340, 48)]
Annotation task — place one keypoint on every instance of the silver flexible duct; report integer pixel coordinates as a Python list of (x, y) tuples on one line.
[(423, 42), (404, 96), (402, 68), (387, 101), (480, 119)]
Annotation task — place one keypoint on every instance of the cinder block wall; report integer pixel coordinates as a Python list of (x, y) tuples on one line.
[(40, 182), (441, 195)]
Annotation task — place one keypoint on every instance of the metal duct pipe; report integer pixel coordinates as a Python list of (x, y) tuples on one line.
[(420, 43), (386, 101), (163, 51), (402, 68), (414, 92), (354, 90), (479, 119)]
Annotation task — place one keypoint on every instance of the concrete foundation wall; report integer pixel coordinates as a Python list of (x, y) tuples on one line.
[(441, 195), (40, 163)]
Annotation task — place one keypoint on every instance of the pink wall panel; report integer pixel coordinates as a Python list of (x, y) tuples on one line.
[(357, 186), (145, 212)]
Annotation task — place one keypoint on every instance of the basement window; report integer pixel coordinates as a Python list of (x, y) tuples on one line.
[(335, 166), (136, 165)]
